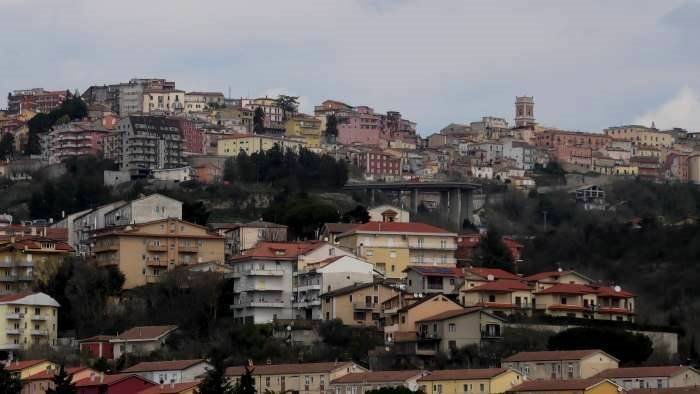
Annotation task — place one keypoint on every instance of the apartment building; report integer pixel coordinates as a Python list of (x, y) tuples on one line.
[(429, 279), (392, 246), (357, 304), (561, 364), (306, 128), (273, 112), (243, 236), (452, 330), (583, 301), (158, 99), (569, 386), (236, 118), (557, 138), (374, 380), (641, 135), (82, 224), (28, 319), (27, 261), (302, 378), (661, 377), (72, 140), (142, 210), (467, 381), (202, 101), (171, 371), (316, 279), (35, 100), (145, 251), (378, 164), (144, 142), (232, 145), (505, 296)]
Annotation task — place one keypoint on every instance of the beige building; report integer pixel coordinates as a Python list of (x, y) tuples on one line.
[(25, 261), (231, 145), (165, 100), (641, 135), (143, 252), (561, 364), (27, 320), (663, 377), (357, 305), (302, 378), (243, 236), (363, 382), (453, 330), (470, 381), (400, 323), (389, 213), (392, 246)]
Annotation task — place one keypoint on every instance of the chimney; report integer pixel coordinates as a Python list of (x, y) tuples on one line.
[(102, 377), (92, 376)]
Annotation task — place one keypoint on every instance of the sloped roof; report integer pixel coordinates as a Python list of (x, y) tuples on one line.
[(20, 365), (553, 355), (463, 374), (433, 270), (546, 275), (173, 388), (644, 372), (46, 375), (397, 227), (109, 380), (39, 299), (378, 376), (274, 369), (557, 385), (144, 333), (572, 288), (352, 288), (503, 285), (424, 300), (497, 273), (337, 228), (278, 250), (450, 314), (173, 365)]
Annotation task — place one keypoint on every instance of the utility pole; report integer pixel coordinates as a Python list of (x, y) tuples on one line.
[(544, 213)]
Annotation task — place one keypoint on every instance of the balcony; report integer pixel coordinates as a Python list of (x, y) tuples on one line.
[(263, 287), (264, 272), (39, 317), (365, 306), (156, 263), (309, 287), (188, 249), (431, 246), (157, 248), (12, 331), (25, 278), (40, 333), (8, 278), (258, 304), (13, 316), (152, 278), (9, 346), (105, 248), (7, 264)]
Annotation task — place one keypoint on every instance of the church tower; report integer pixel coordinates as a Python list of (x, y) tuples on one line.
[(524, 111)]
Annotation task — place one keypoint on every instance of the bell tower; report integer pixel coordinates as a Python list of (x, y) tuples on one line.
[(524, 111)]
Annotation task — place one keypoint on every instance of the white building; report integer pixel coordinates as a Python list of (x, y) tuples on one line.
[(521, 152), (145, 209), (168, 372), (389, 213)]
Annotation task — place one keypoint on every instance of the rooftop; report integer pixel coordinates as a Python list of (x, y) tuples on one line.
[(643, 372), (273, 369), (557, 385), (552, 355), (378, 376), (463, 374), (173, 365), (144, 333)]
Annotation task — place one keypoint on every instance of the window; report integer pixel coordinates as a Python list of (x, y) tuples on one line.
[(492, 298), (481, 387), (267, 381), (570, 371), (451, 327)]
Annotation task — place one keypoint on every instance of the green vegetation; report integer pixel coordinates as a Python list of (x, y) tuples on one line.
[(215, 380), (62, 383), (493, 253), (303, 214), (359, 214), (258, 121), (71, 109), (9, 382), (629, 348), (7, 146), (288, 104)]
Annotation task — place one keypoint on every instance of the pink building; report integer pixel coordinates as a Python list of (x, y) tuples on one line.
[(577, 155), (376, 163), (192, 136), (71, 140)]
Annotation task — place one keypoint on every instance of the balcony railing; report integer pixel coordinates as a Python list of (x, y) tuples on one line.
[(157, 248), (365, 306), (188, 249), (40, 333), (13, 316)]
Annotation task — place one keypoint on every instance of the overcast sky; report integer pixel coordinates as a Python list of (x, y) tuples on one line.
[(590, 64)]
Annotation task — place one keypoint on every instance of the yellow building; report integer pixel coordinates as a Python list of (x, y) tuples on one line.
[(24, 261), (305, 127), (232, 145), (27, 320), (577, 386), (143, 252), (165, 100), (561, 364), (306, 378), (357, 305), (641, 135), (626, 170), (27, 368), (392, 246), (468, 381)]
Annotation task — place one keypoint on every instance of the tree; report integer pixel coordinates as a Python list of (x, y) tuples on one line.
[(258, 121), (288, 104), (331, 128), (230, 170), (359, 214), (62, 383), (7, 146), (493, 253), (246, 385), (215, 380), (9, 382), (629, 348)]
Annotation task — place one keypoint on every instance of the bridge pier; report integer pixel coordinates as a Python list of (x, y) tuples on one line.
[(455, 216), (414, 200), (445, 206)]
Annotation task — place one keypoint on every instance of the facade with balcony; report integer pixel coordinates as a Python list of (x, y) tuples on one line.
[(452, 330), (25, 261), (429, 279), (27, 320), (359, 304), (392, 246), (72, 140), (143, 252)]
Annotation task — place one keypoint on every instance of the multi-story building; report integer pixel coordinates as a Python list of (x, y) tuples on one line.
[(307, 378), (144, 142), (316, 279), (391, 246), (306, 128), (232, 145), (143, 210), (379, 165), (452, 330), (202, 101), (400, 321), (27, 261), (556, 138), (561, 364), (27, 320), (364, 382), (428, 279), (170, 372), (143, 252), (270, 106), (163, 100), (641, 135), (237, 119), (573, 386), (36, 100), (243, 236), (662, 377), (520, 151), (72, 140), (82, 224), (358, 304), (486, 381)]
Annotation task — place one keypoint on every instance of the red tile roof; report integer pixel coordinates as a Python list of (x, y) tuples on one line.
[(643, 372), (432, 270), (278, 250), (46, 375), (174, 365), (450, 314), (274, 369), (497, 273), (552, 355), (463, 374), (20, 365), (501, 286), (97, 338), (546, 275), (567, 288), (144, 333), (613, 311), (378, 377), (398, 227), (557, 385), (109, 380), (607, 291), (561, 307), (175, 388), (674, 390)]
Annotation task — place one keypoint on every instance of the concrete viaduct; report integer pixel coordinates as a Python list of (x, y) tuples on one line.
[(457, 199)]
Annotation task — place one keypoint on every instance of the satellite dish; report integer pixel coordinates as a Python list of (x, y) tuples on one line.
[(617, 289), (489, 277), (560, 270)]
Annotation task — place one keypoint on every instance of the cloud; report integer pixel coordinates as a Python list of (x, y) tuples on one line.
[(683, 110)]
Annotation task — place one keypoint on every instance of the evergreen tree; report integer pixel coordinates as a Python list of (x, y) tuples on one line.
[(215, 380), (7, 146), (331, 128), (288, 104), (9, 382), (493, 253), (258, 121), (246, 384), (62, 383)]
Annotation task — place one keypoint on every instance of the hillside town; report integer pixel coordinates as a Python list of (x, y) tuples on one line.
[(415, 269)]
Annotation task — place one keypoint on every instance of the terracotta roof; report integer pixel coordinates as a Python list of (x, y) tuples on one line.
[(557, 385), (397, 227), (144, 333), (278, 250), (546, 275), (46, 375), (675, 390), (108, 380), (175, 388), (463, 374), (174, 365), (433, 270), (607, 291), (378, 376), (289, 368), (423, 300), (567, 288), (20, 365), (552, 355), (450, 314), (496, 272), (34, 244), (502, 286), (352, 288), (339, 227), (643, 372), (97, 338)]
